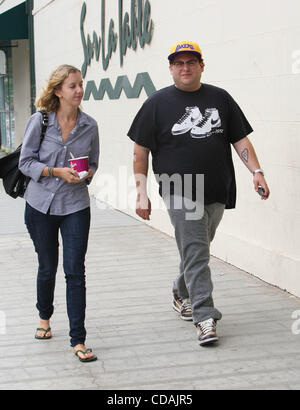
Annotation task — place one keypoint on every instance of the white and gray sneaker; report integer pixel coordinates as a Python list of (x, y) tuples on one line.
[(191, 117), (182, 306), (210, 121), (206, 332)]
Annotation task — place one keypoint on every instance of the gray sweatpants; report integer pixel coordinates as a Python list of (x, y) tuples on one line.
[(193, 239)]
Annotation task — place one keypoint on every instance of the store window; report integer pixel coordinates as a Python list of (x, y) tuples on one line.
[(7, 123)]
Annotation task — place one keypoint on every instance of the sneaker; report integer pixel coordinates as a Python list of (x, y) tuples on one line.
[(206, 332), (210, 120), (183, 306), (191, 117)]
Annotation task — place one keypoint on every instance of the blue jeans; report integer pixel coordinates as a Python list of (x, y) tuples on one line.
[(74, 228)]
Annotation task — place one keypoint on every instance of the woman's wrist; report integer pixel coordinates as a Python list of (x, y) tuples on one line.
[(56, 172), (50, 172)]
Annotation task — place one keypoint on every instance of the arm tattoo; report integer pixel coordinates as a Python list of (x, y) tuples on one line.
[(245, 154)]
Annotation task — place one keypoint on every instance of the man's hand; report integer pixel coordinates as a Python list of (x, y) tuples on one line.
[(259, 180), (140, 168), (143, 207), (246, 152)]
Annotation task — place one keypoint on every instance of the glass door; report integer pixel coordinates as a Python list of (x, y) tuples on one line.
[(7, 123)]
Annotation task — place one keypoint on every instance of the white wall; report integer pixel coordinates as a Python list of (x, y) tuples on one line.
[(252, 50)]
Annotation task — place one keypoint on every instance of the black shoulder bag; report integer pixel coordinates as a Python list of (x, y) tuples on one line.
[(14, 182)]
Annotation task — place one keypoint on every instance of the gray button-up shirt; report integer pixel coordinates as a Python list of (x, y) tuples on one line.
[(55, 194)]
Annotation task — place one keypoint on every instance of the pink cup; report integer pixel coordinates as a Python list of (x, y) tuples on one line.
[(80, 164)]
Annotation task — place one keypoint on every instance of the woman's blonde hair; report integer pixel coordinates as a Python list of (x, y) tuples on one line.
[(47, 100)]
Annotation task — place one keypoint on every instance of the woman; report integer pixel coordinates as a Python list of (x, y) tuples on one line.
[(58, 200)]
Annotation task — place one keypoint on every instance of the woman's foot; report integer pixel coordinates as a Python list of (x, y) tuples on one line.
[(43, 330), (84, 354)]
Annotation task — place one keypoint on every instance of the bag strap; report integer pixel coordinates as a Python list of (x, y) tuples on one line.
[(44, 124)]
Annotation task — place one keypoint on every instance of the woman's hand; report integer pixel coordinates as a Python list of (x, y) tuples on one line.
[(89, 175), (68, 174)]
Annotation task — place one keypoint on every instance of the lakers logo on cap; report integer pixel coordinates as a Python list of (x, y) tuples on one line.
[(185, 47)]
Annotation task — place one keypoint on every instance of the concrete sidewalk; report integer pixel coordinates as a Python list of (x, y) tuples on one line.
[(140, 341)]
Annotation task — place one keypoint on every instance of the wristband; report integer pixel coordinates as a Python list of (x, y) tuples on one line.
[(258, 171), (50, 172)]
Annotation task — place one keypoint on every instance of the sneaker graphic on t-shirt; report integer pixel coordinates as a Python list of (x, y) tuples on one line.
[(199, 125), (210, 120), (187, 121)]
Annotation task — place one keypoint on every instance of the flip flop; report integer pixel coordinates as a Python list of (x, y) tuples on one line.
[(88, 359), (45, 332)]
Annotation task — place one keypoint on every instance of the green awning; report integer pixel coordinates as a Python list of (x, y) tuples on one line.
[(14, 23)]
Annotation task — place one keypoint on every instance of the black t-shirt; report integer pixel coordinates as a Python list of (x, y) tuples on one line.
[(190, 133)]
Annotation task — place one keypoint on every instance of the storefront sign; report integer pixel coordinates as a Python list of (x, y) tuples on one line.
[(133, 29), (142, 80)]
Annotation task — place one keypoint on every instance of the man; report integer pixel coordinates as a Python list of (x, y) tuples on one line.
[(189, 128)]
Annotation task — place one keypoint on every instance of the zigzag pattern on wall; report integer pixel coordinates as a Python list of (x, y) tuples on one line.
[(142, 80)]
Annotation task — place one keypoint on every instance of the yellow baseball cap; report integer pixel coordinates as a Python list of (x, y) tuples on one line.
[(185, 47)]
